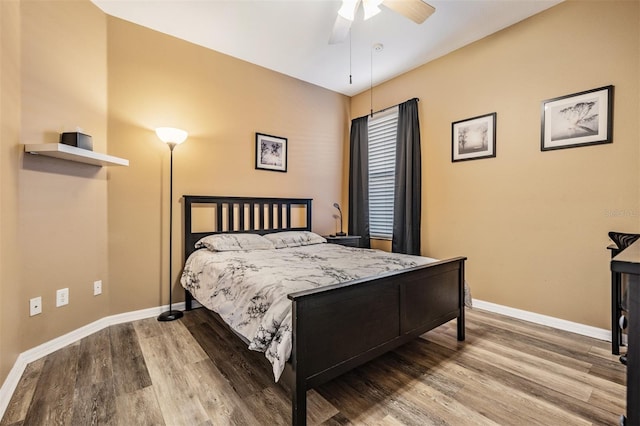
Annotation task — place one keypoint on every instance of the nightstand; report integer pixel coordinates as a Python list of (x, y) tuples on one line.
[(349, 240)]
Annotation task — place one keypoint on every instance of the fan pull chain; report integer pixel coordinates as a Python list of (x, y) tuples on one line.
[(350, 59), (371, 81), (378, 47)]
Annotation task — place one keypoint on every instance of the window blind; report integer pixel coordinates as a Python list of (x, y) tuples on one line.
[(382, 160)]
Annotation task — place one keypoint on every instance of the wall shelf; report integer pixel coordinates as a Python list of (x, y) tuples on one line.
[(72, 153)]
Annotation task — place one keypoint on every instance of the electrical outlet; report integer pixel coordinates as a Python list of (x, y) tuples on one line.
[(97, 287), (35, 306), (62, 297)]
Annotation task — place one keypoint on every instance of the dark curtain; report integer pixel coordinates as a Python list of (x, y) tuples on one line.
[(407, 196), (359, 181)]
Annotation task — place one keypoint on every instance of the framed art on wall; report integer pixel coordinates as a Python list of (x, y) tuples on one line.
[(579, 119), (474, 138), (271, 152)]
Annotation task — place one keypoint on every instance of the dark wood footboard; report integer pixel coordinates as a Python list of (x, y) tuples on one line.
[(340, 327)]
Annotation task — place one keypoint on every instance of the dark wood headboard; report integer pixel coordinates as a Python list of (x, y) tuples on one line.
[(258, 215)]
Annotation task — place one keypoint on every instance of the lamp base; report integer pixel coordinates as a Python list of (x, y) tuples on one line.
[(341, 234), (170, 315)]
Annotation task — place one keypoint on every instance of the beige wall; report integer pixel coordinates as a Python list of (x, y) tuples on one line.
[(533, 224), (54, 223), (9, 135), (156, 80), (63, 210)]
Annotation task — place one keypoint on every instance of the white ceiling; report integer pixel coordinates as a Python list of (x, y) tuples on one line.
[(291, 36)]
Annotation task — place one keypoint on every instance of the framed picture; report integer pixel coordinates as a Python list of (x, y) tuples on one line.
[(271, 153), (584, 118), (474, 138)]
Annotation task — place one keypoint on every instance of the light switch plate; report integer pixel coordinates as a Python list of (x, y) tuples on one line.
[(62, 297)]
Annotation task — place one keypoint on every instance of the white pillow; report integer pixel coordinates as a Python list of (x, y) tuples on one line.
[(294, 239), (234, 242)]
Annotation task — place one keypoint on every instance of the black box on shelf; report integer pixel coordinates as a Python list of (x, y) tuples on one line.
[(77, 139)]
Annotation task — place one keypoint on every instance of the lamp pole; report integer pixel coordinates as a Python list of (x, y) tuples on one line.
[(170, 315), (341, 233)]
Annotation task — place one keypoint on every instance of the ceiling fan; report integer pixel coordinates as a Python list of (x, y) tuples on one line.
[(416, 10)]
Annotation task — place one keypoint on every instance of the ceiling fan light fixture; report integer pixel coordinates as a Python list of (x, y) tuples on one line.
[(415, 10), (348, 9)]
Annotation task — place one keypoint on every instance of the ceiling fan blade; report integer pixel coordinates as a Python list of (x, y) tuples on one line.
[(416, 10), (340, 30)]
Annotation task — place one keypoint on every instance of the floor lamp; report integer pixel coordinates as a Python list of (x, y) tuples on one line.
[(171, 137)]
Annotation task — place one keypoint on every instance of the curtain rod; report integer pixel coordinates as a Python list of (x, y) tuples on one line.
[(393, 106)]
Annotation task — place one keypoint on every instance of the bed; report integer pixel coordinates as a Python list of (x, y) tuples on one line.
[(334, 328)]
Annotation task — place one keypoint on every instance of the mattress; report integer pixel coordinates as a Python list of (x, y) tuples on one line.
[(249, 288)]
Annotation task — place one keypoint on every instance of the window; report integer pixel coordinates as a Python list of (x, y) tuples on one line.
[(382, 164)]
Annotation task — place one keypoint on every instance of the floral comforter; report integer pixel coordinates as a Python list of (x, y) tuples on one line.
[(249, 289)]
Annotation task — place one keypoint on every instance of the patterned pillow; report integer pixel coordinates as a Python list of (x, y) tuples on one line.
[(294, 239), (234, 242)]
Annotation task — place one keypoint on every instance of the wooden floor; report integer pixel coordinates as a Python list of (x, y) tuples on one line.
[(193, 372)]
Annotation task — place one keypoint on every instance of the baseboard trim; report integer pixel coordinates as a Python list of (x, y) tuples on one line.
[(560, 324), (26, 357)]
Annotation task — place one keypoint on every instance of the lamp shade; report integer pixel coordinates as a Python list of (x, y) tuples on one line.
[(171, 135)]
